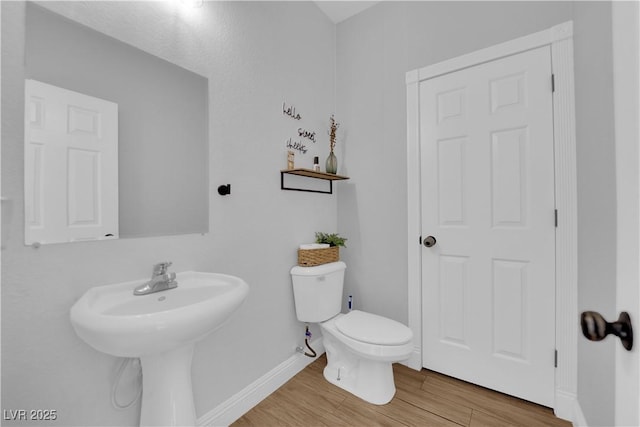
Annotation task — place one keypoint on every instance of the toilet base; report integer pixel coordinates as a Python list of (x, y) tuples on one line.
[(370, 380), (377, 388)]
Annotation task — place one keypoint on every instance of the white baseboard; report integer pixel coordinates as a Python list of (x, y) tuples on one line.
[(565, 404), (240, 403), (414, 361), (568, 408), (579, 419)]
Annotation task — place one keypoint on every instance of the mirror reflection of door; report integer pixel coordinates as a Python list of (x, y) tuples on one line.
[(71, 165)]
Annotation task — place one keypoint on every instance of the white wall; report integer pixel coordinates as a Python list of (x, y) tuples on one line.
[(374, 51), (256, 55)]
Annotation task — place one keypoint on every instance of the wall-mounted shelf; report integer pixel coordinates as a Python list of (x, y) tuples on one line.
[(309, 173)]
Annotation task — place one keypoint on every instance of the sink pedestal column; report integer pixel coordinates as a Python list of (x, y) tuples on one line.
[(167, 395)]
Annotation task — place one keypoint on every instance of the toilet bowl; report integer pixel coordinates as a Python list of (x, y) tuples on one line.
[(360, 346), (361, 361)]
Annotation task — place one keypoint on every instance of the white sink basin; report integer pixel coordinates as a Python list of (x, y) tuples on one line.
[(161, 329), (113, 320)]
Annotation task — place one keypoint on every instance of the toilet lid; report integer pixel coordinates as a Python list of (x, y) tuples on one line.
[(373, 329)]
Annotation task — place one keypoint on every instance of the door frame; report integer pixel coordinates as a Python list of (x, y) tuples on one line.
[(626, 89), (560, 39)]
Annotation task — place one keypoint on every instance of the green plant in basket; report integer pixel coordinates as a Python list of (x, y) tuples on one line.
[(332, 239)]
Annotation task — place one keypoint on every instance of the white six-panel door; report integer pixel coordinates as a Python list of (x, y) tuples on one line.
[(71, 165), (487, 179)]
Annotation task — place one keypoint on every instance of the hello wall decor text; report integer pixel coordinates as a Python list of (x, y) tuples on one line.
[(303, 134)]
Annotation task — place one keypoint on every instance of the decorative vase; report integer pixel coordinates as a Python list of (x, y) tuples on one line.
[(332, 163)]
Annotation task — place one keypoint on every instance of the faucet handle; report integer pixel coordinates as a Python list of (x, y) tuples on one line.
[(161, 268)]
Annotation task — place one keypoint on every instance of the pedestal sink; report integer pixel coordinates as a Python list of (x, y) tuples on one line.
[(161, 329)]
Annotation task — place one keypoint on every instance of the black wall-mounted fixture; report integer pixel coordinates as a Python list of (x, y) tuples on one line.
[(223, 190), (596, 328), (310, 174)]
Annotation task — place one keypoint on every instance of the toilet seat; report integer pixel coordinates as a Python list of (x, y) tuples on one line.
[(373, 329)]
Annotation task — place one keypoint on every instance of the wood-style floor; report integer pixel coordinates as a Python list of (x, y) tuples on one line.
[(423, 398)]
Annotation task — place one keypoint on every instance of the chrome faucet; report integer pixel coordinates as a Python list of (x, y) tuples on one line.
[(160, 280)]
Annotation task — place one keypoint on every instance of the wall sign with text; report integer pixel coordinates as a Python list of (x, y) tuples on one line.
[(299, 141)]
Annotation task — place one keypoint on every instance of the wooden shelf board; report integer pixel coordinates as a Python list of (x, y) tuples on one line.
[(314, 174)]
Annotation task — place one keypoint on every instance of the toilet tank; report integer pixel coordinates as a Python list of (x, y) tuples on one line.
[(317, 291)]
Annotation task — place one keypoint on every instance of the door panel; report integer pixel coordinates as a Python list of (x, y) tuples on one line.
[(509, 177), (487, 178), (451, 181), (509, 308), (453, 286)]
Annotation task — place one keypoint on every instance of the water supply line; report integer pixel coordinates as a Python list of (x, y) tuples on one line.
[(114, 390), (307, 337)]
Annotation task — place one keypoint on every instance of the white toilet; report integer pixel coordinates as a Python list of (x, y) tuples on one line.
[(360, 346)]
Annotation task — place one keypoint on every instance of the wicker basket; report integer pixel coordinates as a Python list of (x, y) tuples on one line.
[(313, 257)]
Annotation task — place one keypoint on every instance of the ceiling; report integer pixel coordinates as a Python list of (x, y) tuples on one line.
[(338, 10)]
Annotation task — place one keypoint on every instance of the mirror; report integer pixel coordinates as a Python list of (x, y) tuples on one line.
[(161, 137)]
